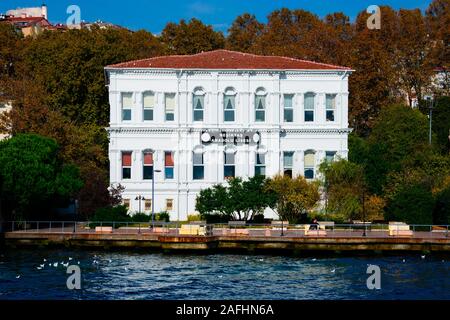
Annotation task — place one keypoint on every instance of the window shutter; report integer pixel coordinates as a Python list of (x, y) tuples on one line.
[(168, 160), (126, 159), (149, 100), (170, 102), (148, 158), (309, 159), (127, 100)]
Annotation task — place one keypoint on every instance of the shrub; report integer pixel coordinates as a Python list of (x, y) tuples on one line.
[(193, 217), (163, 216), (141, 217)]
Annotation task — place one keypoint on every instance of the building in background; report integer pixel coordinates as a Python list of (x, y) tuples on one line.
[(190, 122)]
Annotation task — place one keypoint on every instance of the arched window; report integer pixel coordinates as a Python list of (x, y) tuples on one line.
[(309, 106), (198, 103), (309, 164), (147, 173), (330, 106), (148, 105), (260, 162), (229, 163), (260, 105), (229, 104)]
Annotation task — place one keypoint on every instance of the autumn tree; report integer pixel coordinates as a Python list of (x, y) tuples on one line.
[(191, 37), (293, 196), (243, 33)]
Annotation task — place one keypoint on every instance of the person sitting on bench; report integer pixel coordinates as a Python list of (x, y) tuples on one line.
[(314, 225)]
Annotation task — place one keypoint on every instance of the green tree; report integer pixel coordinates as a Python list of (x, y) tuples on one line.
[(441, 124), (399, 137), (441, 211), (33, 176), (344, 184), (294, 196), (412, 203)]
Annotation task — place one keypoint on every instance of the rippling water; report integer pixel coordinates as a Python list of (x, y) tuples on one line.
[(136, 275)]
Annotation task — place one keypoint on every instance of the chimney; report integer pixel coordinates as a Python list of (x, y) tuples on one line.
[(44, 11)]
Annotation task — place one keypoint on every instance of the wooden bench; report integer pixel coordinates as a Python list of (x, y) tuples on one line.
[(277, 225), (160, 230), (103, 229), (399, 229), (239, 232), (324, 224), (315, 233), (195, 230)]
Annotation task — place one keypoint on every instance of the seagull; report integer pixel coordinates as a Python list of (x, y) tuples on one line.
[(261, 260), (333, 271), (78, 262), (45, 260), (18, 276), (70, 258), (39, 268), (66, 265), (314, 259), (404, 260), (42, 265), (55, 264), (423, 257), (109, 260), (126, 269), (49, 264)]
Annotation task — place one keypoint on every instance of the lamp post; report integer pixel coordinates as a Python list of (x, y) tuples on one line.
[(364, 210), (153, 197), (139, 197)]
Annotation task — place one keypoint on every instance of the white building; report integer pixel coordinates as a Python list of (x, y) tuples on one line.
[(278, 114), (41, 12)]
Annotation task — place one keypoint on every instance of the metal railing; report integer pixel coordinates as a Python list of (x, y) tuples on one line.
[(239, 230)]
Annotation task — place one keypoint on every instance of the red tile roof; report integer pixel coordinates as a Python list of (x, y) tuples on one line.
[(28, 20), (225, 59)]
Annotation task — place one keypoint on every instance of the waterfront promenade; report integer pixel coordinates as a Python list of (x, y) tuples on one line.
[(225, 238)]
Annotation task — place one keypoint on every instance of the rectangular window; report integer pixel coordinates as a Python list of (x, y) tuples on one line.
[(149, 104), (229, 165), (169, 104), (228, 108), (168, 165), (169, 204), (260, 165), (309, 107), (199, 168), (148, 204), (127, 104), (329, 156), (330, 106), (288, 163), (148, 166), (126, 165), (260, 108), (198, 106), (309, 165), (288, 108), (126, 203)]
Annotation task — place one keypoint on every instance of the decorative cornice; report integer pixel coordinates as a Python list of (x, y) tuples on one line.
[(161, 130), (226, 72)]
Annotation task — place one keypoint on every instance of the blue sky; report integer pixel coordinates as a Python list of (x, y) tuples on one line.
[(153, 15)]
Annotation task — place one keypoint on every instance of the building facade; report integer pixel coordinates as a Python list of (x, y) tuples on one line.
[(189, 122)]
